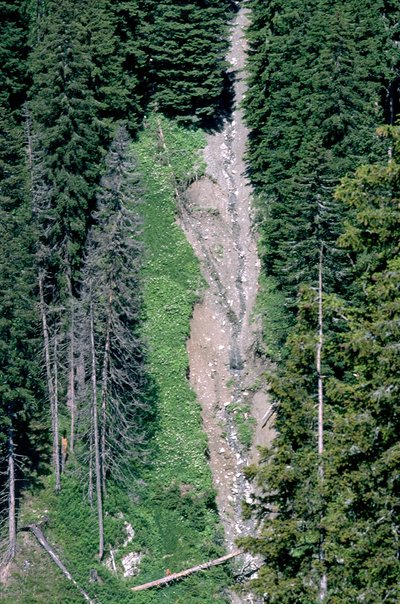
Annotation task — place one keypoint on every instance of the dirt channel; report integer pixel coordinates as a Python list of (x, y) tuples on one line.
[(225, 370)]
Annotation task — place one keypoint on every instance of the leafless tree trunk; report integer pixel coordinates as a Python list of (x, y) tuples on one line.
[(323, 585), (91, 459), (71, 398), (318, 366), (56, 434), (164, 145), (104, 393), (50, 384), (29, 145), (40, 198), (12, 522), (35, 529), (97, 457), (187, 572), (110, 292)]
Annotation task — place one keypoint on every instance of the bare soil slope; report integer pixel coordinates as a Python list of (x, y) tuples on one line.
[(225, 370)]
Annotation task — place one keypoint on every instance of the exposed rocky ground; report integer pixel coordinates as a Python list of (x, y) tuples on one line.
[(225, 370)]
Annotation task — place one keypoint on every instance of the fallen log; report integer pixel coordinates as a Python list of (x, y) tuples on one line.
[(185, 573), (268, 416), (36, 530)]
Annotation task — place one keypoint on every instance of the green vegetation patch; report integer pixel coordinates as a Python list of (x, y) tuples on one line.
[(171, 507), (168, 159), (244, 422)]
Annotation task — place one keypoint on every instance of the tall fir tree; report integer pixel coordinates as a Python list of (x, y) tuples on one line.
[(66, 119), (367, 454), (314, 99), (186, 43), (344, 527), (23, 423)]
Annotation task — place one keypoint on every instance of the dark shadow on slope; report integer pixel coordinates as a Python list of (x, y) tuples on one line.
[(224, 108)]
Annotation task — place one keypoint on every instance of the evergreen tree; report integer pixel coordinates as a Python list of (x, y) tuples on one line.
[(13, 54), (130, 26), (367, 434), (294, 478), (23, 432), (76, 91), (66, 119), (345, 526), (314, 99), (187, 44)]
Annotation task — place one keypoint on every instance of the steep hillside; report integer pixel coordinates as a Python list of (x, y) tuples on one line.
[(226, 370), (167, 520)]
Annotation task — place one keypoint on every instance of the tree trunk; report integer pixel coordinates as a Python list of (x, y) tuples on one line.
[(71, 399), (91, 459), (318, 367), (164, 145), (48, 548), (29, 146), (97, 458), (104, 394), (50, 385), (323, 584), (12, 522), (56, 435), (185, 573)]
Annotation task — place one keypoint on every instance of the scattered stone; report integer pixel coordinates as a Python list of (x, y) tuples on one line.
[(131, 564), (130, 533)]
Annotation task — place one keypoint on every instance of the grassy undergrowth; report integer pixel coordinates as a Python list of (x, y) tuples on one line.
[(244, 422), (172, 507)]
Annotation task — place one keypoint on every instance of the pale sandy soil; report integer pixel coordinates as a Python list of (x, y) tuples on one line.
[(217, 217)]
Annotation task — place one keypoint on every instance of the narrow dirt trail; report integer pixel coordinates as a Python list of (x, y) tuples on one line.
[(225, 371)]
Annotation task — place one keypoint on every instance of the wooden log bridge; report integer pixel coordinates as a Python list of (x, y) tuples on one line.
[(185, 573)]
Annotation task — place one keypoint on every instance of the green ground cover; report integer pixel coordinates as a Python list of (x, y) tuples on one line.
[(172, 506)]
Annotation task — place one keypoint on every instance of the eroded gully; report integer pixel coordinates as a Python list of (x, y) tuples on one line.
[(225, 370)]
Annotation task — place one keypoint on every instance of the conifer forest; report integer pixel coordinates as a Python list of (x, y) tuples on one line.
[(200, 301)]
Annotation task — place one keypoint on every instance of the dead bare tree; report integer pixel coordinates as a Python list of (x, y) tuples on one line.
[(113, 263), (104, 390), (12, 516), (96, 440), (323, 585), (40, 201), (13, 467), (71, 391), (52, 382), (38, 533), (106, 348), (185, 573), (11, 494)]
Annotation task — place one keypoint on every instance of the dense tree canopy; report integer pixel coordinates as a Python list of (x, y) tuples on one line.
[(187, 44), (76, 78), (344, 526), (321, 79), (314, 100)]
